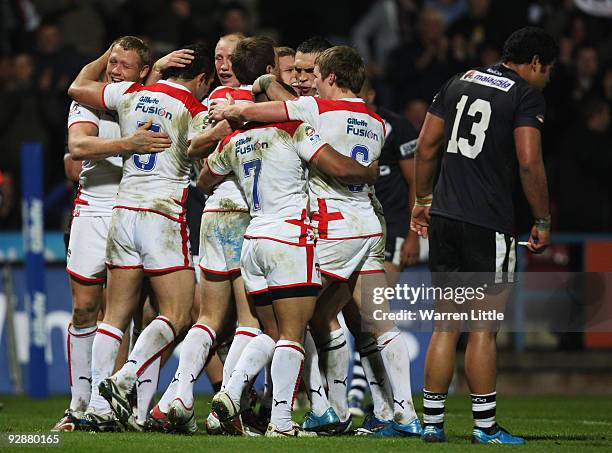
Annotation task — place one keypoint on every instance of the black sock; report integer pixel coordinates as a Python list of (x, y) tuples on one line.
[(433, 408), (483, 411)]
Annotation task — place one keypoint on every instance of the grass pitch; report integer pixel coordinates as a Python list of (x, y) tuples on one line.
[(549, 423)]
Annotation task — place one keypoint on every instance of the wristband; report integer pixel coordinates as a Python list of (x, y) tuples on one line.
[(543, 223), (424, 201)]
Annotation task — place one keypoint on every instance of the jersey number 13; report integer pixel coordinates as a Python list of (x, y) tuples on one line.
[(479, 128)]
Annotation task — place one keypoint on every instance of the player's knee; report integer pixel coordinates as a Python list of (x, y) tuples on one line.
[(85, 314)]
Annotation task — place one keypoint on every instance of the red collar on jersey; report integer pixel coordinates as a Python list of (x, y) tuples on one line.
[(287, 126), (189, 101), (333, 105)]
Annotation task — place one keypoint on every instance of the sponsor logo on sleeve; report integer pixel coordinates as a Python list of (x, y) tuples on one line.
[(408, 149)]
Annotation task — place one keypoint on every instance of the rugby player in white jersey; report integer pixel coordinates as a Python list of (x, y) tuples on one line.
[(224, 222), (148, 232), (350, 239), (96, 146), (279, 262)]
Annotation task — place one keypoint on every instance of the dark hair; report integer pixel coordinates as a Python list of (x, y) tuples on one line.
[(251, 58), (136, 44), (346, 63), (284, 51), (203, 62), (232, 6), (525, 43), (316, 44)]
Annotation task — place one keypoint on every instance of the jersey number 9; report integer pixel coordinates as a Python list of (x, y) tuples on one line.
[(146, 162)]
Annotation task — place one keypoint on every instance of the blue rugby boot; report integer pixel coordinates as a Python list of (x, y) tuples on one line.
[(394, 429), (328, 421), (433, 434), (501, 436)]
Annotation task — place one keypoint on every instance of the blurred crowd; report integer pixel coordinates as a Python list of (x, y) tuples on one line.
[(410, 47)]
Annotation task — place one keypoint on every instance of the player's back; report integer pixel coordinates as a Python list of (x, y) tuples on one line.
[(357, 132), (481, 108), (158, 181), (270, 163)]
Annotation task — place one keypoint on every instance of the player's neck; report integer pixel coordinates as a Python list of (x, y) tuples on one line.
[(189, 84), (339, 93)]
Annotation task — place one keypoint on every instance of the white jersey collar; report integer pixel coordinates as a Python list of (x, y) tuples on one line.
[(175, 85)]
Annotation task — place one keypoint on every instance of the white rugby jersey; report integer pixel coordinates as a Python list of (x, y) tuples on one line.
[(227, 196), (271, 161), (342, 211), (99, 179), (156, 182)]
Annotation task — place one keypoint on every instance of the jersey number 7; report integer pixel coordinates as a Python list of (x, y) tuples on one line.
[(146, 162), (253, 168), (479, 128)]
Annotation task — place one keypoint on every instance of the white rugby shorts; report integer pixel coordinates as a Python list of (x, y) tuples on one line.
[(221, 237), (341, 258), (275, 270), (86, 258), (144, 239)]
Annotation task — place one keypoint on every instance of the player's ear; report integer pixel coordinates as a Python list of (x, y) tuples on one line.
[(144, 71), (535, 61), (331, 79), (270, 69)]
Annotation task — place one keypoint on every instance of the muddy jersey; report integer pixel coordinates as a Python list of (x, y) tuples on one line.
[(227, 196), (156, 182), (99, 179), (270, 162), (342, 211)]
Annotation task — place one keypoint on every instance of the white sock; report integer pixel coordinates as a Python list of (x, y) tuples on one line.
[(287, 365), (312, 378), (194, 352), (80, 342), (266, 397), (334, 354), (151, 343), (394, 353), (146, 386), (254, 358), (377, 379), (242, 337), (164, 403), (103, 355)]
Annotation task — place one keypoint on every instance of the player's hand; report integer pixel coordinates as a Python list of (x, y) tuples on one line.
[(225, 111), (373, 173), (539, 240), (419, 222), (144, 141), (410, 252), (177, 59)]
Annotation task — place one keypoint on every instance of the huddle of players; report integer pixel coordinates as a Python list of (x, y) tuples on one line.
[(314, 238), (307, 166)]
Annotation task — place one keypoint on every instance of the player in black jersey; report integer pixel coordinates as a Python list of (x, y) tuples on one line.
[(395, 187), (487, 122)]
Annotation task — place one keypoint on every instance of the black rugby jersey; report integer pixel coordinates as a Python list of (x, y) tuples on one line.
[(391, 187), (481, 108)]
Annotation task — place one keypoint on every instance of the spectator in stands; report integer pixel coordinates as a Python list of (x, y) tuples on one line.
[(452, 10), (586, 81), (429, 55), (586, 164)]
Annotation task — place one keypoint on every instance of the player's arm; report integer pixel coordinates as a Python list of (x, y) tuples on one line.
[(265, 112), (72, 168), (86, 89), (425, 163), (207, 180), (349, 171), (203, 144), (273, 88), (85, 144), (176, 59), (535, 186), (409, 254)]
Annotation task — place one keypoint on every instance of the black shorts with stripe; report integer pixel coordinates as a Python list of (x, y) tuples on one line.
[(456, 246)]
